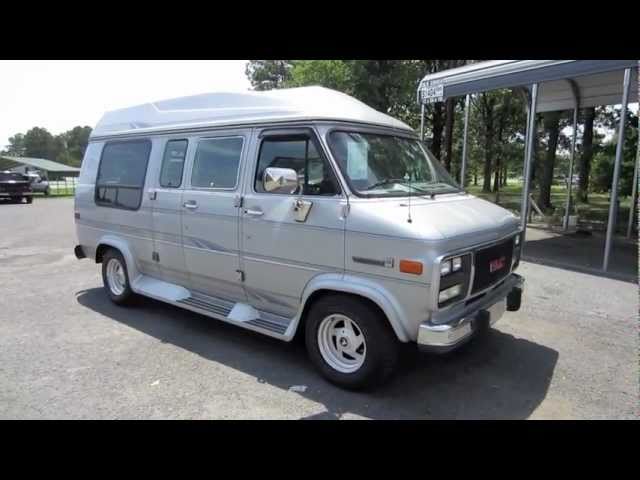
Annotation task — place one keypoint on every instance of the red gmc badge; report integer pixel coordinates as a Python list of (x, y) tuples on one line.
[(497, 264)]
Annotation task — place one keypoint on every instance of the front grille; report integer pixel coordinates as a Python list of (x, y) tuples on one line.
[(483, 276)]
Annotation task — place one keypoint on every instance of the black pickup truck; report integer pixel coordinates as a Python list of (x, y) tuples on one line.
[(15, 186)]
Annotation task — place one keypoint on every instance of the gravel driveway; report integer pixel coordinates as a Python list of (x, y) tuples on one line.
[(67, 352)]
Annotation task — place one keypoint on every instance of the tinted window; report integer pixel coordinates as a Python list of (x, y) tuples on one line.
[(300, 154), (173, 163), (216, 163), (123, 167)]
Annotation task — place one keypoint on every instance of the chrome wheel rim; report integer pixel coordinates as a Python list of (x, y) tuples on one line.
[(341, 343), (116, 278)]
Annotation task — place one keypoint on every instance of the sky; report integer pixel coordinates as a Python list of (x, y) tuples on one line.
[(59, 95)]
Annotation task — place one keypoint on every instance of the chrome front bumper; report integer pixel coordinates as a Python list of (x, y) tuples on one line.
[(453, 327)]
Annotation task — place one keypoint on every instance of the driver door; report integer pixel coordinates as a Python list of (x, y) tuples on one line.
[(290, 236)]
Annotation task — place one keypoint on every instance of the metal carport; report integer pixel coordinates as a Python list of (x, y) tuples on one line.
[(55, 168), (550, 85)]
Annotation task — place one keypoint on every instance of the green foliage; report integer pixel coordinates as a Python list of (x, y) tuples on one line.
[(386, 85), (268, 74), (67, 147), (335, 74), (604, 159)]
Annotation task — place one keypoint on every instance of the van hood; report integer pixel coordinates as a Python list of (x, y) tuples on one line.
[(462, 217)]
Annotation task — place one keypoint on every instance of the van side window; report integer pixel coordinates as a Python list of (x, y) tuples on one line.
[(216, 163), (121, 174), (315, 176), (173, 163)]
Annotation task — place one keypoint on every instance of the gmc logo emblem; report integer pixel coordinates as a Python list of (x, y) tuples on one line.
[(497, 264)]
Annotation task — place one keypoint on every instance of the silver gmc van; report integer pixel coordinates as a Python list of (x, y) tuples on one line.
[(296, 210)]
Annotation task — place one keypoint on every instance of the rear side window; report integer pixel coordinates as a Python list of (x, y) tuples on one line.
[(216, 163), (121, 174), (173, 163)]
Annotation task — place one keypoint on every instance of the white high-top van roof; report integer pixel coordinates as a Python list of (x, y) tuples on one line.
[(252, 107)]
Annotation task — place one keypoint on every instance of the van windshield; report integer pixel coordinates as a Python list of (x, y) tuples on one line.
[(377, 165)]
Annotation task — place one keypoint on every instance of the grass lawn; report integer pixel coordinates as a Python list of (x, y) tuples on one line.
[(595, 212)]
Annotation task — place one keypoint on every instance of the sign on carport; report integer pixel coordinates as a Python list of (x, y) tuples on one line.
[(432, 92)]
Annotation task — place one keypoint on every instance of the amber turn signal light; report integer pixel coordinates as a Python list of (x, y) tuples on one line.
[(409, 266)]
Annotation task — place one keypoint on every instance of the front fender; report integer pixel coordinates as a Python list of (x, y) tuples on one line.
[(358, 286)]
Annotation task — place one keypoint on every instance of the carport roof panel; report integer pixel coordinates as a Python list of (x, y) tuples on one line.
[(599, 82), (41, 164)]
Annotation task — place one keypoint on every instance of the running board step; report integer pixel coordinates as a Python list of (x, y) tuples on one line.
[(234, 312), (272, 326), (218, 308)]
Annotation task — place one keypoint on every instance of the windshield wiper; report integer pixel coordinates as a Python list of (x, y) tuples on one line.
[(438, 187), (401, 181)]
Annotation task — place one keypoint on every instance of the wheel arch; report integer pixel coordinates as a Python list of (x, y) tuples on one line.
[(328, 284), (117, 243)]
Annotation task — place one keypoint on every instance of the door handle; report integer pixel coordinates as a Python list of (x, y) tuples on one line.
[(254, 213), (191, 204), (301, 209)]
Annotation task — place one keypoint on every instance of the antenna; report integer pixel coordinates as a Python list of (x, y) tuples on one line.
[(407, 178)]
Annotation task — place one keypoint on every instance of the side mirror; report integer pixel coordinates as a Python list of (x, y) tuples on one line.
[(280, 180)]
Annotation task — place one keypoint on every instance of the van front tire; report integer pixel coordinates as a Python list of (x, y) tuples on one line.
[(350, 342), (116, 278)]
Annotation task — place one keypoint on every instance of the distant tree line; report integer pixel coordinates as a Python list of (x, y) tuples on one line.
[(67, 147), (497, 123)]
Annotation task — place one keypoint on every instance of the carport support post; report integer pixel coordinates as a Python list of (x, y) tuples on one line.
[(463, 167), (573, 155), (616, 170), (422, 122), (527, 161), (634, 191)]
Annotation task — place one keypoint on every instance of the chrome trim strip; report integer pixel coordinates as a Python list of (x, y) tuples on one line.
[(371, 261)]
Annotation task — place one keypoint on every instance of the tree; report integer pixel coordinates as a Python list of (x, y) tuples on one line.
[(584, 164), (67, 147), (450, 108), (76, 141), (487, 102), (268, 74), (16, 145), (503, 117), (551, 121), (334, 74), (39, 143)]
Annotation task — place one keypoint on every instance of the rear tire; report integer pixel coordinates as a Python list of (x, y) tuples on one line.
[(350, 342), (29, 199), (116, 278)]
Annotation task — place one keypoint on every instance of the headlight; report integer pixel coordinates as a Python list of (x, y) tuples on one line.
[(449, 293), (445, 268), (450, 265), (456, 264)]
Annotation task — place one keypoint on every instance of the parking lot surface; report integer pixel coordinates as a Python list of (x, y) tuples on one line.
[(67, 352)]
